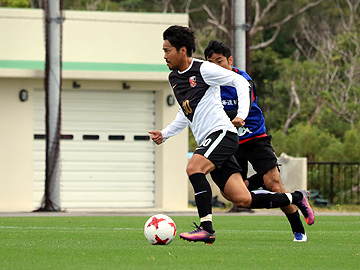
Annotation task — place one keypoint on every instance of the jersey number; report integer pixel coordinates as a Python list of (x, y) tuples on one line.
[(186, 107), (206, 142)]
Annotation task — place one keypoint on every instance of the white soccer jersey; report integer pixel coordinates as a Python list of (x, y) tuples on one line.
[(197, 91)]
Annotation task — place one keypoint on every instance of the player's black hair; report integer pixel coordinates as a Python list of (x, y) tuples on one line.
[(215, 46), (180, 36)]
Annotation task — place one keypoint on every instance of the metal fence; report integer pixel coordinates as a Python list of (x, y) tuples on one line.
[(337, 182)]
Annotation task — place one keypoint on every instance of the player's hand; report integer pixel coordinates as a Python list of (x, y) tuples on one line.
[(156, 136), (238, 122)]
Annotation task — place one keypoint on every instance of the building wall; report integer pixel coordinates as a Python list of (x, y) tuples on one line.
[(16, 138), (88, 37), (101, 50), (170, 168)]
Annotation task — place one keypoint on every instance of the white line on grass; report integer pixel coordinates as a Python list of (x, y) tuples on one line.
[(273, 231), (66, 228)]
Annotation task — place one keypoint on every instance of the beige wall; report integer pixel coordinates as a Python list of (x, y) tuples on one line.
[(89, 37), (172, 178), (134, 36), (293, 172), (24, 40), (16, 139), (105, 37)]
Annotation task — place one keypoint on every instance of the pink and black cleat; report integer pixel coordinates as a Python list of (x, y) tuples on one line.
[(305, 207), (199, 235)]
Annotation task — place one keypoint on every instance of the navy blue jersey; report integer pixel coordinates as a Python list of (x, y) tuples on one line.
[(255, 122)]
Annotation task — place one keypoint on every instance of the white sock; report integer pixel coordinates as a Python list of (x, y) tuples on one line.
[(289, 197), (206, 218)]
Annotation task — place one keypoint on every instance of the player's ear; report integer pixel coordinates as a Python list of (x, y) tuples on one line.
[(231, 60), (183, 50)]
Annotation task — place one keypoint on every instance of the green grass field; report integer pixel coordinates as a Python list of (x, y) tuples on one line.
[(243, 242)]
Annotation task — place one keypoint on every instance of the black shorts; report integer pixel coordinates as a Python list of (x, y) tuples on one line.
[(219, 147), (259, 153)]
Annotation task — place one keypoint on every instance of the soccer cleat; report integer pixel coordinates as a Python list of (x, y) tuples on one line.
[(199, 234), (305, 208), (300, 237)]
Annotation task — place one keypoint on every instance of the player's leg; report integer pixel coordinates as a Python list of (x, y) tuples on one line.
[(238, 194), (273, 183), (243, 163), (236, 191), (230, 182), (254, 182), (215, 149), (264, 161), (197, 168), (243, 155)]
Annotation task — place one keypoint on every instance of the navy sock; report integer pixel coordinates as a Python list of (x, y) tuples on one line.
[(203, 195), (297, 196), (255, 182), (295, 222), (269, 200), (207, 226)]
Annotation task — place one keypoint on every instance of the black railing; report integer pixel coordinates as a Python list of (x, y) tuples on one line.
[(337, 182)]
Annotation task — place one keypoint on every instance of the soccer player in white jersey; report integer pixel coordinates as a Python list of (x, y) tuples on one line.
[(196, 86)]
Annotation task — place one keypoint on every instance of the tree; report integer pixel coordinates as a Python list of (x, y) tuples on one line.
[(304, 140), (15, 3), (269, 16), (335, 47)]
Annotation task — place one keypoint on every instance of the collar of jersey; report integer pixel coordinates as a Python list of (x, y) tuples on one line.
[(181, 72)]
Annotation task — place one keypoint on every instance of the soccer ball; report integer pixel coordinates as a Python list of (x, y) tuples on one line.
[(160, 230)]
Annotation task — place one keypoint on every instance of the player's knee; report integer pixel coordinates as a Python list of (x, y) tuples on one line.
[(189, 170), (191, 167), (242, 201), (275, 186)]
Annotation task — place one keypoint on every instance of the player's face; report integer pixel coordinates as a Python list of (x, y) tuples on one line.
[(171, 56), (221, 60)]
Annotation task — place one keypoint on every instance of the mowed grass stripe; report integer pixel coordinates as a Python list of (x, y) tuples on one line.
[(141, 229), (243, 242)]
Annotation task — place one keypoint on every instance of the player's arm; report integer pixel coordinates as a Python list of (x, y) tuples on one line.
[(238, 122), (216, 75), (176, 126), (242, 87), (244, 93)]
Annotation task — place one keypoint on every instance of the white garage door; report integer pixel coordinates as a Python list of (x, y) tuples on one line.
[(107, 159)]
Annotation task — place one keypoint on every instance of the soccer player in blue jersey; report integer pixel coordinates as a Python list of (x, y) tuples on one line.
[(196, 86), (254, 144)]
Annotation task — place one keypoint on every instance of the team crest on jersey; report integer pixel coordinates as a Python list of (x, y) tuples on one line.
[(192, 81), (243, 130)]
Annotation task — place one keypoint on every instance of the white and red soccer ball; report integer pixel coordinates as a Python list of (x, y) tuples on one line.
[(160, 230)]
